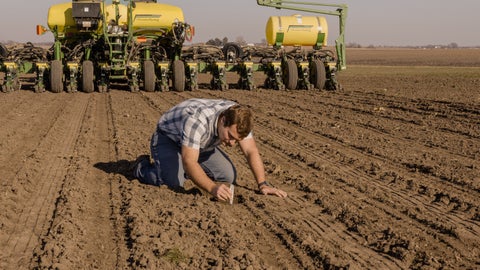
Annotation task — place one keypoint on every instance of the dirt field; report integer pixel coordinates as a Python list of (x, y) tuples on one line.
[(384, 174)]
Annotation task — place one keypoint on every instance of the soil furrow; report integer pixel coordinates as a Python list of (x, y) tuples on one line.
[(384, 148), (333, 237), (317, 158), (43, 174), (329, 105), (440, 228), (379, 119), (444, 109), (28, 125), (355, 222)]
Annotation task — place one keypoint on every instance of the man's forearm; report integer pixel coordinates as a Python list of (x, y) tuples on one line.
[(256, 165), (199, 177), (194, 170)]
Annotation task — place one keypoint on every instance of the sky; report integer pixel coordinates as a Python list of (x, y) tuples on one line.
[(369, 22)]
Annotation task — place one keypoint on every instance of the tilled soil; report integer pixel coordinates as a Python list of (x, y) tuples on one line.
[(384, 174)]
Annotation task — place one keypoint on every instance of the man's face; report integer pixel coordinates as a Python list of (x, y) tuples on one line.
[(228, 135)]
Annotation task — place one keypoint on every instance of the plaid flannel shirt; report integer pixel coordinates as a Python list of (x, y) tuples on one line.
[(193, 122)]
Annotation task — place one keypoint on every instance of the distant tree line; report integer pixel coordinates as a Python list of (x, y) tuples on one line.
[(239, 40), (217, 41)]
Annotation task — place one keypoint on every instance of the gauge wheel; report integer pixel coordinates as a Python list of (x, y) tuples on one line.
[(178, 68), (56, 76), (87, 77), (318, 75), (148, 76), (290, 74)]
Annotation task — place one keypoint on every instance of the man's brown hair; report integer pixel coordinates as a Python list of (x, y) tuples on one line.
[(242, 117)]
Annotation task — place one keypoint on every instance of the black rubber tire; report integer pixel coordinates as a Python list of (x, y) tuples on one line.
[(178, 68), (88, 85), (318, 74), (290, 74), (149, 78), (232, 47), (56, 76), (3, 51)]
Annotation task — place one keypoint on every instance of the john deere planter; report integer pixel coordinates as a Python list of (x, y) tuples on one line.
[(141, 44)]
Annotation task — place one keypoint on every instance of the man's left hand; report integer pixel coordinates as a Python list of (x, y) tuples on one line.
[(268, 190)]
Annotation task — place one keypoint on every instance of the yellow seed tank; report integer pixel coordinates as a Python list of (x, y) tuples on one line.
[(60, 18), (297, 30), (151, 17), (147, 18)]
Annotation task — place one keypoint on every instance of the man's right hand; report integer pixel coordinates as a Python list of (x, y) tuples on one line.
[(222, 192)]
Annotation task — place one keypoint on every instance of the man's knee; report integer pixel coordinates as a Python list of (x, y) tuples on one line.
[(231, 175), (226, 173)]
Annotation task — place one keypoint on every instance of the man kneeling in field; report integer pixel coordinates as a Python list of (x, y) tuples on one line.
[(186, 145)]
